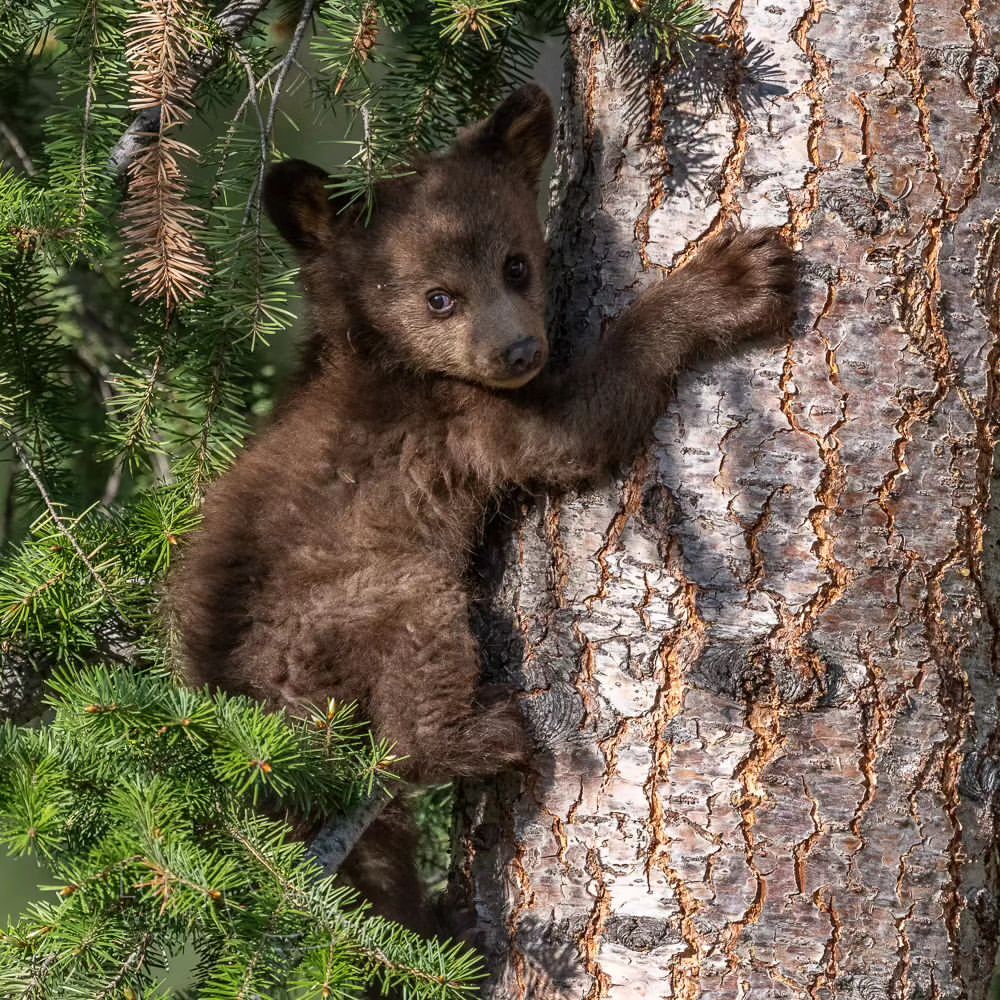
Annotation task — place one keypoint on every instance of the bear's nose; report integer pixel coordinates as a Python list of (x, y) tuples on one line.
[(522, 355)]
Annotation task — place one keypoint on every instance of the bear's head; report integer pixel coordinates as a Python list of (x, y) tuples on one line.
[(448, 273)]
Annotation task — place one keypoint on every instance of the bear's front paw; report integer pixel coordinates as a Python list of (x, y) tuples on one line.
[(753, 273), (494, 740)]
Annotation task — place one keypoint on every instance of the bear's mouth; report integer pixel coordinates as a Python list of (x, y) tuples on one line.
[(513, 382)]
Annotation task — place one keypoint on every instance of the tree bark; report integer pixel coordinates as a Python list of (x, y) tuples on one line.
[(761, 666)]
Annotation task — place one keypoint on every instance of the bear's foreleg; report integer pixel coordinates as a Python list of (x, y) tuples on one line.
[(569, 429)]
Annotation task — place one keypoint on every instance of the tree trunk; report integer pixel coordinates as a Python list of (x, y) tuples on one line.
[(761, 667)]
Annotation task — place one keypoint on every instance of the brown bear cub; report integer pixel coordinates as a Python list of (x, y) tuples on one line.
[(333, 556)]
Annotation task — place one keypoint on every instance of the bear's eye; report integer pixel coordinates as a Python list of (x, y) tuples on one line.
[(515, 269), (440, 303)]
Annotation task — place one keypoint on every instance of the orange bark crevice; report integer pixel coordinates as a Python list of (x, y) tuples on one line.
[(655, 141), (803, 206), (631, 502), (686, 970), (590, 941)]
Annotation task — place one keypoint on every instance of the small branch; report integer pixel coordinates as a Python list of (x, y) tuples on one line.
[(23, 459), (19, 151), (289, 60), (161, 233), (253, 201), (336, 839), (234, 21), (88, 107), (286, 64), (252, 99), (133, 962)]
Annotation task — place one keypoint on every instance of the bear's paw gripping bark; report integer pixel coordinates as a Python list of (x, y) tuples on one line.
[(750, 274)]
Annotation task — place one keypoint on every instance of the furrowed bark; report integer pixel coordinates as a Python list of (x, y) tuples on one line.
[(761, 666)]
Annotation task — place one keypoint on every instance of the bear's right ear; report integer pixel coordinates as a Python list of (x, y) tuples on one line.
[(297, 201)]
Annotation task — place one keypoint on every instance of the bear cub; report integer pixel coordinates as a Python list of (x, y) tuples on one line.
[(333, 555)]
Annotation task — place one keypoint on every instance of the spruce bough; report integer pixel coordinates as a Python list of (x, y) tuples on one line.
[(143, 799)]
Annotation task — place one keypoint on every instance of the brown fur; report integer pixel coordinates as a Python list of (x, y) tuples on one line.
[(332, 558)]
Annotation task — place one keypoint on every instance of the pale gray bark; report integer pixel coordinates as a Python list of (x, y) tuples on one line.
[(762, 666), (337, 838)]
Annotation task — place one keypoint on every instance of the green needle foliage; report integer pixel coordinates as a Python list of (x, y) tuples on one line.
[(141, 796), (145, 311)]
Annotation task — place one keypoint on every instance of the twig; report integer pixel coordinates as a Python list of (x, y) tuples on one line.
[(133, 963), (234, 21), (253, 202), (252, 98), (23, 459), (286, 64), (19, 151), (254, 88), (88, 106), (336, 839)]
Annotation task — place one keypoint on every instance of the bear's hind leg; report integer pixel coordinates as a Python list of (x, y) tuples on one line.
[(382, 866), (426, 696)]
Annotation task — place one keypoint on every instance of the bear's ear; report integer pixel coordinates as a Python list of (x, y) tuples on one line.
[(521, 128), (297, 201)]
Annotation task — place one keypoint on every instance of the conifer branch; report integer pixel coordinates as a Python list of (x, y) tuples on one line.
[(24, 461), (132, 963), (166, 261), (336, 838), (252, 98), (88, 108), (232, 22), (305, 19), (267, 133), (363, 43), (17, 147), (133, 398)]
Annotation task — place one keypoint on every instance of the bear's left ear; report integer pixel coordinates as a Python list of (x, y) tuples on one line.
[(521, 128)]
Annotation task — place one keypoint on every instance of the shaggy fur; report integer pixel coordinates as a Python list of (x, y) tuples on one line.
[(332, 557)]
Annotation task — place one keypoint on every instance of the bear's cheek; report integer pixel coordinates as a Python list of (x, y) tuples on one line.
[(441, 346)]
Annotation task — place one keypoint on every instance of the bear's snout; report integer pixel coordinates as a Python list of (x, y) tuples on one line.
[(523, 356), (517, 363)]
